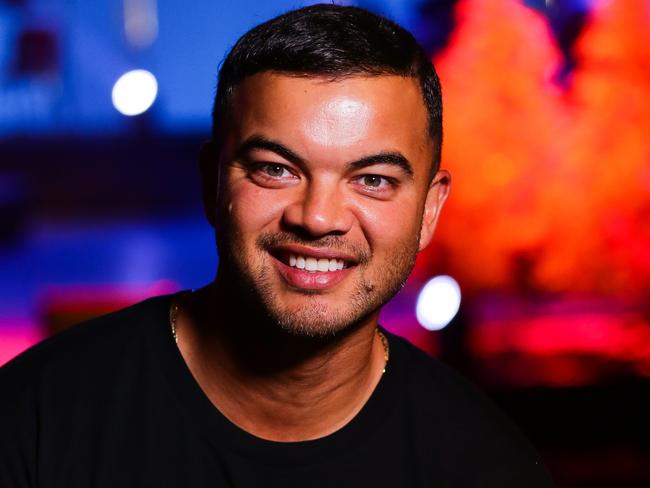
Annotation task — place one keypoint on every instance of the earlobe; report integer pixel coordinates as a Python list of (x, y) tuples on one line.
[(436, 197)]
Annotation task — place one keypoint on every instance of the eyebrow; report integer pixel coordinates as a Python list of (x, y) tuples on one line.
[(392, 158), (259, 142)]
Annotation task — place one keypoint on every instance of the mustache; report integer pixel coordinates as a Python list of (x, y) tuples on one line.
[(270, 241)]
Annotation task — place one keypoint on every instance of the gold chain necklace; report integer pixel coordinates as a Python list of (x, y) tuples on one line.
[(173, 313)]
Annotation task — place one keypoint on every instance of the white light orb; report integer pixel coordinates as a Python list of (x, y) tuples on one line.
[(438, 302), (134, 92)]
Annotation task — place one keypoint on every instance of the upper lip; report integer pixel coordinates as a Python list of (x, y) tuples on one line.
[(314, 252)]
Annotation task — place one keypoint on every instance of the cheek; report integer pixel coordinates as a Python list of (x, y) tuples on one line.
[(252, 209), (390, 226)]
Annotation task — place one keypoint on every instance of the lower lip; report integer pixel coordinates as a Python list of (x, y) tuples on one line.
[(311, 280)]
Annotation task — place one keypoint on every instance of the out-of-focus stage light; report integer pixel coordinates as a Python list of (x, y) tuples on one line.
[(438, 302), (134, 92)]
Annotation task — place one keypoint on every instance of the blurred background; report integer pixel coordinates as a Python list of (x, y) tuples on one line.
[(537, 286)]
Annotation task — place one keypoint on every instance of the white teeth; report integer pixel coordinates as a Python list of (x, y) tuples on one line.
[(313, 264)]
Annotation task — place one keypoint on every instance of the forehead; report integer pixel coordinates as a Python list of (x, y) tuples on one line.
[(344, 117)]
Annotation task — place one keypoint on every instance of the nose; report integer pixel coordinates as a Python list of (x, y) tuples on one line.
[(319, 210)]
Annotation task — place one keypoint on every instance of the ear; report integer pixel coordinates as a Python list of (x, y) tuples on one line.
[(209, 165), (436, 197)]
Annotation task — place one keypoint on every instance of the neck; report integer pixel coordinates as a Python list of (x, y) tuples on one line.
[(271, 383)]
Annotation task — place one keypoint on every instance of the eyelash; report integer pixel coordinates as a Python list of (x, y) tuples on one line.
[(385, 182), (260, 168)]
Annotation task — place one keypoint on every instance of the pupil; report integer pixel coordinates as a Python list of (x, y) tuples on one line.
[(372, 180), (275, 170)]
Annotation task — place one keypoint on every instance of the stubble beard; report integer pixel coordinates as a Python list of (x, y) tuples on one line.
[(253, 283)]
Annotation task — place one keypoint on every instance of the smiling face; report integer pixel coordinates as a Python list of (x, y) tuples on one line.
[(325, 196)]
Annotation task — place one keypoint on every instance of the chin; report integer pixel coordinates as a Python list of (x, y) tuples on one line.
[(314, 322), (320, 316)]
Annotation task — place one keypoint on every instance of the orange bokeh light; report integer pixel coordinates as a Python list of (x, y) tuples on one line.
[(551, 186)]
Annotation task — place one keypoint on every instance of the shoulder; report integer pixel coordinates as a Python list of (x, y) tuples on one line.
[(436, 386), (84, 346), (62, 383), (468, 428), (439, 386)]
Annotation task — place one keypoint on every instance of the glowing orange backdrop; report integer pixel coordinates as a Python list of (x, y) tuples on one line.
[(551, 186)]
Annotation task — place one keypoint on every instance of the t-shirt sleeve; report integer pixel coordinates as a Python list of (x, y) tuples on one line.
[(468, 437), (18, 424)]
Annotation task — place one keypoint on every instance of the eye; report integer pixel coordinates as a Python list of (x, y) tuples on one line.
[(272, 175), (275, 170), (373, 181), (377, 186)]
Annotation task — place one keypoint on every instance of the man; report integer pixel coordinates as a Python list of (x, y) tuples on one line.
[(322, 183)]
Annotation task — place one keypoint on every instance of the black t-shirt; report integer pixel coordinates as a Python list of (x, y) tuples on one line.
[(111, 403)]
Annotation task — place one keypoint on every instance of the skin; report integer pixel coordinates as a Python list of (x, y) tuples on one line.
[(315, 167)]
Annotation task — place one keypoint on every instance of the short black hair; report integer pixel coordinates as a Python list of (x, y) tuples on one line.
[(332, 41)]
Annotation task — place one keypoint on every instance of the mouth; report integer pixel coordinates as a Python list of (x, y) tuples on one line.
[(314, 265), (312, 269)]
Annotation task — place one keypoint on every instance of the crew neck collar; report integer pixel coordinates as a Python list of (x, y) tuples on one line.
[(195, 407)]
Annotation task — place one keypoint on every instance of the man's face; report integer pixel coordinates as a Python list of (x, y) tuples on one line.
[(325, 196)]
